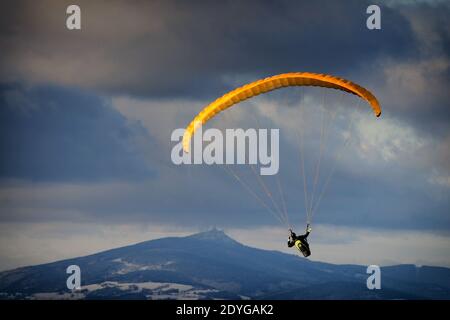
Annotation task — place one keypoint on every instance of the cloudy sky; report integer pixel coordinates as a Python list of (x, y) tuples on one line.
[(86, 118)]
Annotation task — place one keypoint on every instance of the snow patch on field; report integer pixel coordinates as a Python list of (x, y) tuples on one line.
[(132, 267), (151, 290)]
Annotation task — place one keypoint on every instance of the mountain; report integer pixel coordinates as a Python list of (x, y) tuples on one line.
[(211, 265)]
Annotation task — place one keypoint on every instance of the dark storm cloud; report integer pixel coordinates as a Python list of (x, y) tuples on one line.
[(200, 49), (192, 48), (55, 134)]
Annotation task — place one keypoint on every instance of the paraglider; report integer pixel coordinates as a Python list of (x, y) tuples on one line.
[(300, 242), (265, 85)]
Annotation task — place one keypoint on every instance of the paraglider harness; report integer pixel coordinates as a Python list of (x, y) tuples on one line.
[(300, 242)]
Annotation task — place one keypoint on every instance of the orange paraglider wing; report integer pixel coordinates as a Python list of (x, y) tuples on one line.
[(272, 83)]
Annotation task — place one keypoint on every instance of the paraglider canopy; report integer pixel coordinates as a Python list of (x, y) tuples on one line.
[(272, 83)]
